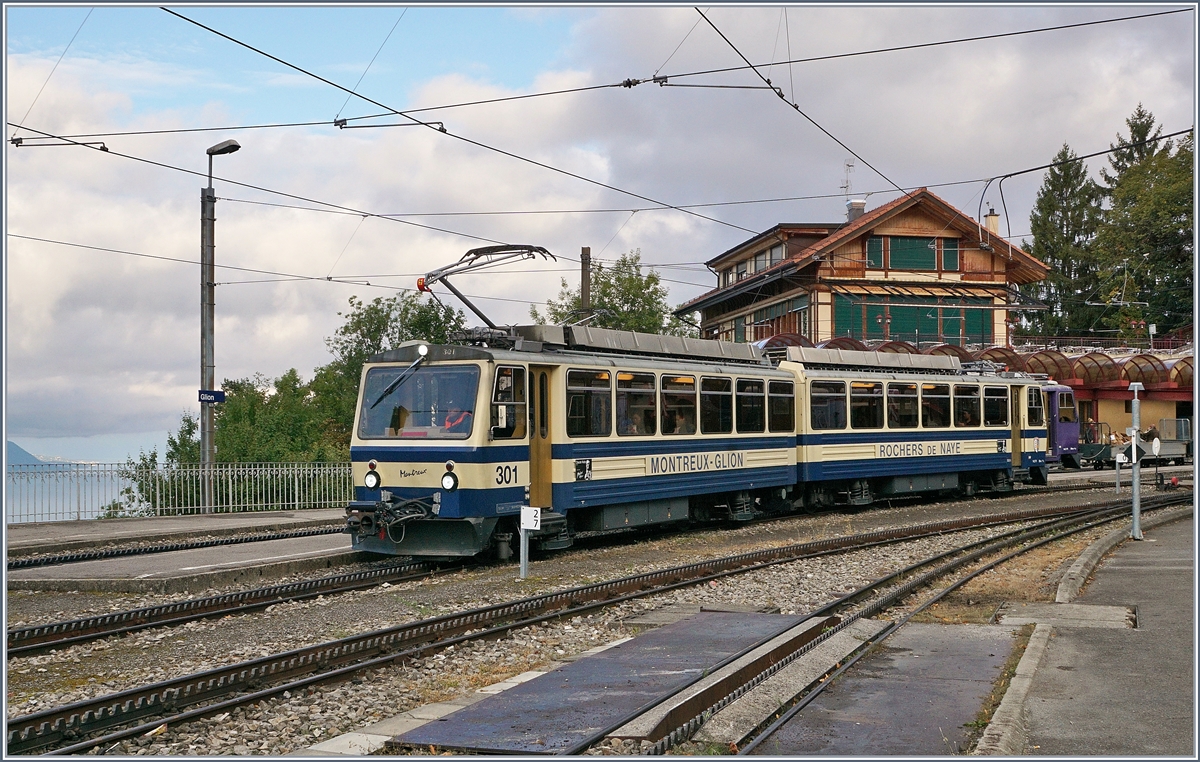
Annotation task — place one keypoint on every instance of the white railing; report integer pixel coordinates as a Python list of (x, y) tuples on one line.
[(77, 491)]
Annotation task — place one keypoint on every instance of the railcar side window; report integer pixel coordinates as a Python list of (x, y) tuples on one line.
[(508, 403), (935, 406), (903, 409), (1066, 407), (678, 404), (431, 402), (827, 404), (636, 415), (751, 406), (589, 410), (716, 405), (995, 406), (966, 405), (866, 405), (781, 406), (1037, 414)]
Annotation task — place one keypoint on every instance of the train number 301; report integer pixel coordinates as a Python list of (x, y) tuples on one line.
[(506, 474)]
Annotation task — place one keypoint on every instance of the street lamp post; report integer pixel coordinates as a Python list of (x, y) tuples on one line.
[(208, 368)]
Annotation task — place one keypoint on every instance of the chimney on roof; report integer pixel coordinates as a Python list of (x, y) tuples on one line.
[(855, 208), (992, 221)]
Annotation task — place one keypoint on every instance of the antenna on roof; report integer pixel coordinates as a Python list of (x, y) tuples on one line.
[(847, 169)]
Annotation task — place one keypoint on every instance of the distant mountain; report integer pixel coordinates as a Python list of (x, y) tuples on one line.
[(18, 456)]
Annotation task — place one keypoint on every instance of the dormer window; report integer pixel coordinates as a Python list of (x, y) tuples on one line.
[(740, 270), (776, 254)]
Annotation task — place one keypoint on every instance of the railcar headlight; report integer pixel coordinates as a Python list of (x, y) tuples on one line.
[(449, 481), (372, 480)]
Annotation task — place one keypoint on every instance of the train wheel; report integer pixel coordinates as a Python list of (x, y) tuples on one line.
[(970, 487)]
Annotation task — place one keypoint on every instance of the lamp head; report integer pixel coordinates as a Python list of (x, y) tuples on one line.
[(224, 147)]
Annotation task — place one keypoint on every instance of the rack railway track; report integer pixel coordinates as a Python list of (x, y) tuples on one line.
[(84, 725)]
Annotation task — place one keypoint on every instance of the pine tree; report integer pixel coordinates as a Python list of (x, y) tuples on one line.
[(1148, 232), (1064, 221), (1142, 143)]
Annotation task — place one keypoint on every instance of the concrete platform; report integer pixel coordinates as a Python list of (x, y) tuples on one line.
[(183, 571), (911, 696), (1124, 692), (555, 712), (64, 536)]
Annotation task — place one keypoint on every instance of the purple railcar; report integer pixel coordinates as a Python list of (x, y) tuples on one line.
[(1062, 425)]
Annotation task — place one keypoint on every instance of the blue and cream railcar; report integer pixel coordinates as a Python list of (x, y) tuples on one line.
[(600, 429), (878, 425)]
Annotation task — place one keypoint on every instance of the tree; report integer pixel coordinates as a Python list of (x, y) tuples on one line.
[(622, 298), (273, 421), (1064, 220), (1147, 237), (1142, 143), (370, 328)]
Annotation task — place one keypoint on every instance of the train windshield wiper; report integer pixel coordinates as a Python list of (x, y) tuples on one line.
[(404, 374)]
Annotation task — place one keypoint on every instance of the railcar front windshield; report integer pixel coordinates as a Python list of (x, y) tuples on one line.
[(431, 402)]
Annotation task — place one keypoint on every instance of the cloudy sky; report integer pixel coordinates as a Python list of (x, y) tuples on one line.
[(102, 347)]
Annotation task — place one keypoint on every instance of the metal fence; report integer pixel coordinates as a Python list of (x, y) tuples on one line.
[(77, 491)]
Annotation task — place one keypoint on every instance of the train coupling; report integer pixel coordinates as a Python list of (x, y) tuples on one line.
[(365, 518)]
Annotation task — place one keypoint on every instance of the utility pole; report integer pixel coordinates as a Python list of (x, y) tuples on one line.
[(208, 366), (585, 282), (1135, 437)]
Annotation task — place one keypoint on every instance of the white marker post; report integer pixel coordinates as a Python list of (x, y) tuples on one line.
[(1118, 459), (531, 521), (1156, 448)]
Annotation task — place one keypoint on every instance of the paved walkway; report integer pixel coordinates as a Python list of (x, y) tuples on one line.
[(61, 536), (1117, 691)]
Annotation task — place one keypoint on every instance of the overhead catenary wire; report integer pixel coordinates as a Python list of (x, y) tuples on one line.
[(461, 138), (282, 276), (55, 67), (796, 106), (633, 82), (364, 74), (919, 45), (109, 152)]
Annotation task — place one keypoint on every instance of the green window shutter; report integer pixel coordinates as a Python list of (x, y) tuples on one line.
[(739, 330), (952, 326), (875, 252), (904, 323), (844, 311), (950, 254), (912, 253)]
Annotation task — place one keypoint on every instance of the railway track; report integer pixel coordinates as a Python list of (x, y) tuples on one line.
[(26, 641), (85, 725), (946, 564)]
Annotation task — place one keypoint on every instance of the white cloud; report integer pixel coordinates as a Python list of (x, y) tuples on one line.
[(104, 343)]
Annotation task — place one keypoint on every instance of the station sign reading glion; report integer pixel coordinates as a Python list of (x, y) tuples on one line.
[(701, 461)]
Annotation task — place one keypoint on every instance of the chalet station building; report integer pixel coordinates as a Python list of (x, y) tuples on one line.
[(916, 274), (915, 269)]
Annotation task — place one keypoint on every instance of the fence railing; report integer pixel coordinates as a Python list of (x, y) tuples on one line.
[(78, 491)]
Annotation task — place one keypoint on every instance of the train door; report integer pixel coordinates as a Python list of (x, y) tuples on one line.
[(1051, 407), (1018, 443), (540, 462)]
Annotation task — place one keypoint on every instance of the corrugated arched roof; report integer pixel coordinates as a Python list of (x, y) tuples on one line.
[(1146, 369), (1050, 362), (1095, 368), (843, 342), (1002, 356), (949, 349), (897, 348)]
